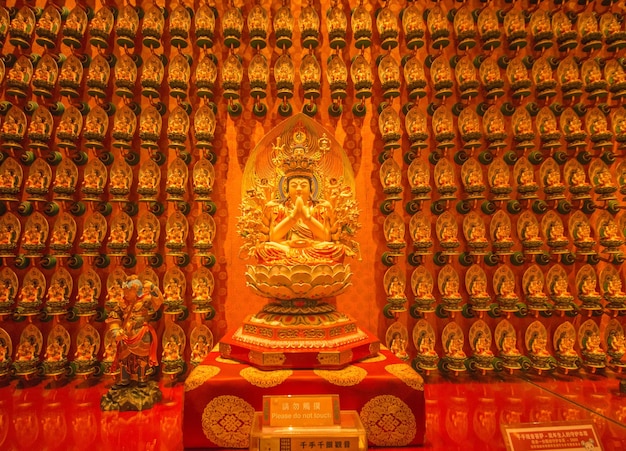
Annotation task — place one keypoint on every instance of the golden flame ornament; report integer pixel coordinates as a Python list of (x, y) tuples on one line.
[(152, 27), (590, 36), (413, 26), (361, 26), (543, 78), (98, 77), (389, 76), (178, 128), (464, 28), (232, 27), (19, 77), (388, 30), (179, 73), (489, 29), (74, 27), (566, 36), (69, 129), (124, 125), (389, 126), (40, 128), (283, 27), (284, 74), (258, 24), (515, 29), (125, 76), (96, 127), (204, 124), (206, 75), (22, 28), (232, 75), (612, 32), (126, 26), (204, 21), (71, 76), (438, 27), (466, 78), (13, 129), (417, 128), (309, 22), (414, 77), (150, 123), (337, 76), (361, 74), (337, 25), (258, 74), (45, 76), (152, 77), (180, 24), (541, 30), (48, 27)]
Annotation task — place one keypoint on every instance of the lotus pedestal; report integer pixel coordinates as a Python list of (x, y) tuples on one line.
[(299, 329)]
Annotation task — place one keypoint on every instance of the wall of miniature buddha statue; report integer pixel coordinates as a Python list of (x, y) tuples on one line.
[(486, 141)]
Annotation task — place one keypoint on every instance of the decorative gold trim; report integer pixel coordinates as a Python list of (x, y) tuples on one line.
[(329, 358), (200, 375), (295, 339), (265, 379), (388, 421), (407, 375), (376, 358), (227, 361), (227, 421), (346, 377), (267, 358)]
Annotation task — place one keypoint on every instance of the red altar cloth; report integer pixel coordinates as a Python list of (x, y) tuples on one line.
[(221, 396)]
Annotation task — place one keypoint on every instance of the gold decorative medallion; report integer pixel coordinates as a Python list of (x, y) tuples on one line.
[(377, 358), (200, 375), (407, 375), (388, 421), (227, 420), (346, 377), (265, 379)]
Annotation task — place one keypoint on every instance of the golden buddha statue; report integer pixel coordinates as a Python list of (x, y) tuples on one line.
[(299, 225), (298, 217)]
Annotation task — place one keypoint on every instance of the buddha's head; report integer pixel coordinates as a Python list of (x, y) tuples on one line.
[(299, 186)]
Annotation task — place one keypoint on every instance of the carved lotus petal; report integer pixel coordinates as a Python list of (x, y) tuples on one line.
[(301, 289), (278, 292), (280, 280), (299, 281), (301, 275)]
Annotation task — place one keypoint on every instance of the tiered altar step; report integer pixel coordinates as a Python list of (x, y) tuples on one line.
[(221, 396), (285, 354), (299, 334)]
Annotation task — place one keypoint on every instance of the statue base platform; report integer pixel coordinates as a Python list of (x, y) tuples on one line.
[(221, 396), (299, 334), (132, 397)]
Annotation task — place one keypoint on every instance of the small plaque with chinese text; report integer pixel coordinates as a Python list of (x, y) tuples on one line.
[(301, 410), (568, 436)]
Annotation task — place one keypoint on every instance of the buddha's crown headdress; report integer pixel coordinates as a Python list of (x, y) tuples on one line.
[(301, 155)]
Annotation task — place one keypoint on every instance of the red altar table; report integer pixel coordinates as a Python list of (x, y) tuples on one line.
[(221, 396)]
